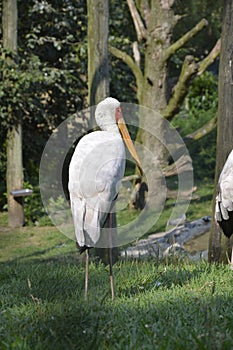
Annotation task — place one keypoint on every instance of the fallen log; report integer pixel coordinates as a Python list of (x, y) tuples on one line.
[(161, 244)]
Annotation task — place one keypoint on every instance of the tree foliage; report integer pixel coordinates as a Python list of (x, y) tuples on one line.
[(200, 104), (50, 82), (199, 108), (191, 13)]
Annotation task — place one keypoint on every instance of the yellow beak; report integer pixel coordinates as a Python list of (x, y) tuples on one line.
[(128, 141)]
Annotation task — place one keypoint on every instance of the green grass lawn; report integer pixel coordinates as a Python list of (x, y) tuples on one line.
[(176, 305), (170, 304)]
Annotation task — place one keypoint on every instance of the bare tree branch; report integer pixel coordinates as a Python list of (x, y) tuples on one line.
[(184, 163), (136, 53), (184, 39), (138, 24), (129, 61), (171, 194), (144, 9), (189, 69), (167, 4), (204, 130), (208, 60)]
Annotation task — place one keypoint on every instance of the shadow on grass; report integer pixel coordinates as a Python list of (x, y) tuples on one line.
[(54, 277), (43, 253), (43, 306), (49, 279)]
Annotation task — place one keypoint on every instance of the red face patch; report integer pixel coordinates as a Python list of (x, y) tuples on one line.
[(118, 114)]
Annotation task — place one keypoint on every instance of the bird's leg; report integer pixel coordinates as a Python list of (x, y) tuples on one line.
[(111, 273), (231, 259), (86, 274), (110, 257)]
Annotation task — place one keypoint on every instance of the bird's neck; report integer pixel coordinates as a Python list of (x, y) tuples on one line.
[(113, 128)]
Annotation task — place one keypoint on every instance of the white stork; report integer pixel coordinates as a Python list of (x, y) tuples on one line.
[(95, 173), (224, 200)]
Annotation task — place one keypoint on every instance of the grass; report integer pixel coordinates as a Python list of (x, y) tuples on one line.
[(170, 304), (32, 242), (158, 306)]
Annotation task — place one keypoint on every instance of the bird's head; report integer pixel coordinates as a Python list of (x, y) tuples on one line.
[(105, 113), (108, 115)]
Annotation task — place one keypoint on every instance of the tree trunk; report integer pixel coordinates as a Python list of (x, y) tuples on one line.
[(14, 136), (154, 22), (218, 244), (153, 92), (14, 176), (98, 70), (160, 26)]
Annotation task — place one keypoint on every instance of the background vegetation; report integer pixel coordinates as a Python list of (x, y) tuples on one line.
[(50, 82), (168, 304)]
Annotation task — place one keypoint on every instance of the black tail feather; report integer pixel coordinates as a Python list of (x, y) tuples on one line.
[(227, 225), (82, 248)]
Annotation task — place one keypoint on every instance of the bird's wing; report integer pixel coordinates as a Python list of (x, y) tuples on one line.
[(97, 165), (221, 212), (95, 173), (224, 199)]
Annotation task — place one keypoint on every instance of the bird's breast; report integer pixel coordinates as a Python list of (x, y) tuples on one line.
[(97, 165)]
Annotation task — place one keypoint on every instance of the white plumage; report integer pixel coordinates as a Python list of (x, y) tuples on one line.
[(95, 172), (224, 200)]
